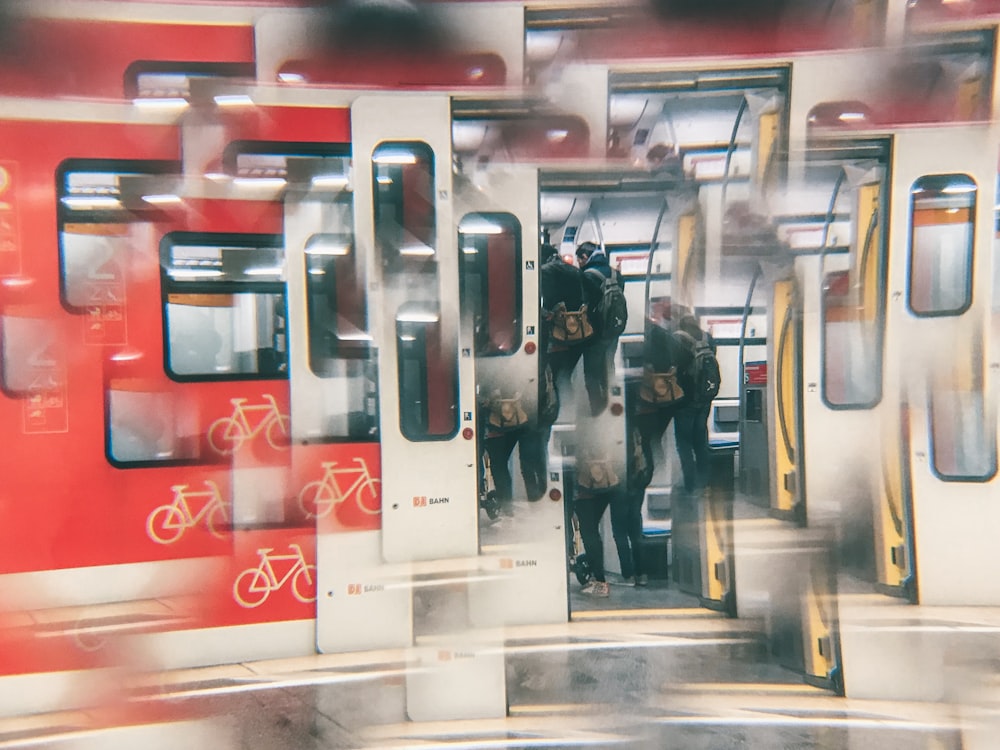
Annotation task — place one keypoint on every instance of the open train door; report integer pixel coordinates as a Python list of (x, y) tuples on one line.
[(939, 281), (522, 543), (785, 395), (333, 369)]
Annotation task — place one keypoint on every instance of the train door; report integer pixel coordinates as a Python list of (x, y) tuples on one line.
[(939, 282), (521, 526), (334, 406), (824, 370), (404, 202), (784, 395), (841, 268)]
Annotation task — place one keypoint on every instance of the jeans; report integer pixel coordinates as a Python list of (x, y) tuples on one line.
[(531, 450), (652, 425), (691, 433), (596, 355), (589, 510), (626, 526)]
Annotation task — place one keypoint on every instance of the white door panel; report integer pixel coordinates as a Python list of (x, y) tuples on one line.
[(429, 492)]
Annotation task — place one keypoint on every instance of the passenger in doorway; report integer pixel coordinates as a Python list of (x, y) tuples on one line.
[(626, 514), (597, 486), (598, 361), (568, 331), (660, 396), (691, 419), (506, 425)]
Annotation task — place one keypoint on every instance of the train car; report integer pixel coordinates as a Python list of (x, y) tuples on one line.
[(273, 330)]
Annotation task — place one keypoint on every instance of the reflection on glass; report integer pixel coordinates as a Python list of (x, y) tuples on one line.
[(428, 382), (148, 426), (224, 305), (225, 334), (336, 302), (964, 437), (405, 220), (851, 352), (490, 258), (942, 222)]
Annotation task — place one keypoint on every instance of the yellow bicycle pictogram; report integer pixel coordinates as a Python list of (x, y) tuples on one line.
[(227, 435), (254, 585), (167, 523), (320, 497)]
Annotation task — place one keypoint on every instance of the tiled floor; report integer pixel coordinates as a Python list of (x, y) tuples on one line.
[(671, 677)]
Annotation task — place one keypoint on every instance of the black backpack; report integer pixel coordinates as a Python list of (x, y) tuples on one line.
[(613, 310), (704, 370)]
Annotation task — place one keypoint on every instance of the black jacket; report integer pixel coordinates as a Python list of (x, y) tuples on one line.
[(660, 351), (561, 282), (592, 285), (685, 358)]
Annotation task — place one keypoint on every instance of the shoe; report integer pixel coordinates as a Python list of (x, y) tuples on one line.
[(642, 580), (630, 581), (597, 589)]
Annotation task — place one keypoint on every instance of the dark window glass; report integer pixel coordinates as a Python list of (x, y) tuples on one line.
[(490, 256)]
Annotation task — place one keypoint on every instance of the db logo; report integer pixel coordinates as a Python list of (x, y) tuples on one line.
[(353, 589), (420, 501), (444, 655), (506, 563)]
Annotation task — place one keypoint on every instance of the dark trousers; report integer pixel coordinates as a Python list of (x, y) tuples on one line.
[(531, 451), (595, 371), (691, 433), (589, 511), (626, 526), (652, 425)]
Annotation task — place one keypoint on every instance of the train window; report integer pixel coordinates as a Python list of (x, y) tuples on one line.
[(851, 347), (490, 257), (224, 302), (963, 436), (942, 225), (336, 302), (147, 425), (405, 219), (98, 224), (169, 82), (324, 165), (428, 380)]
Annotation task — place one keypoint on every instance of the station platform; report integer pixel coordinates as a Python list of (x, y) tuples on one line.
[(673, 676)]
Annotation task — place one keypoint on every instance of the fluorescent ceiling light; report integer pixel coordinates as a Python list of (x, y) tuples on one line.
[(233, 100)]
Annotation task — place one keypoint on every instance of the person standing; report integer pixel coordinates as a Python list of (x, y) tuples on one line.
[(626, 513), (691, 417), (598, 357), (597, 486), (567, 326), (660, 394)]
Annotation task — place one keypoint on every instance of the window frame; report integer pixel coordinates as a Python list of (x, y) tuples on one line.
[(970, 251)]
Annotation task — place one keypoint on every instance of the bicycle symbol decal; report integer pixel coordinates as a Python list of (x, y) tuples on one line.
[(167, 523), (254, 585), (320, 497), (227, 434)]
